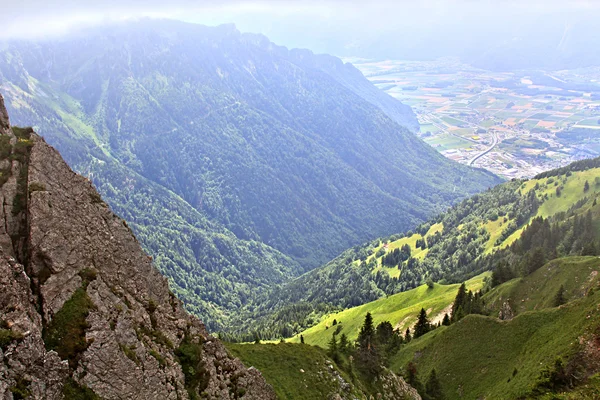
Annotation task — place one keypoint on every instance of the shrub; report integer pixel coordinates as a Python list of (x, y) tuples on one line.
[(66, 332), (189, 355)]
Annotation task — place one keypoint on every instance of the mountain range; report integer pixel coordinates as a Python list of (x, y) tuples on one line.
[(239, 164)]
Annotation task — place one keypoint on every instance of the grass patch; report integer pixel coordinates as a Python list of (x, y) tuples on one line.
[(66, 331), (483, 357), (36, 187), (189, 355), (161, 360), (296, 371), (74, 391), (7, 336), (537, 291), (129, 351)]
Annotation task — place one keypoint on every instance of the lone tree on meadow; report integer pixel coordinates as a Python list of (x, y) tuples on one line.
[(423, 325), (586, 186), (459, 303), (559, 298)]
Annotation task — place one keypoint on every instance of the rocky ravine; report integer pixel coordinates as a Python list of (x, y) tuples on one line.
[(83, 313)]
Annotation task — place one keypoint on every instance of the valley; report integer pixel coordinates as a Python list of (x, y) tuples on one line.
[(200, 211), (514, 124), (239, 164)]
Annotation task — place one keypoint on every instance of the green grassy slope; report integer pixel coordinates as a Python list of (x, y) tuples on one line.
[(483, 357), (400, 309), (467, 240), (296, 371), (538, 290)]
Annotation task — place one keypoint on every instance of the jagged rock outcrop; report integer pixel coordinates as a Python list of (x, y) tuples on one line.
[(506, 313), (82, 309)]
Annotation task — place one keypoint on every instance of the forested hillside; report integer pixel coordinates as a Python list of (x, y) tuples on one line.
[(238, 163), (513, 229)]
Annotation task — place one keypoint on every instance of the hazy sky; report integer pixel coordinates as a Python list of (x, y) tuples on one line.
[(29, 18), (334, 26)]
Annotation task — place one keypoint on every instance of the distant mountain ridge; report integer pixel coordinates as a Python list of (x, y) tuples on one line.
[(238, 165)]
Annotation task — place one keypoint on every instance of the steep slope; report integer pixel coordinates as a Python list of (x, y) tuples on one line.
[(484, 357), (269, 145), (303, 372), (83, 312), (521, 223)]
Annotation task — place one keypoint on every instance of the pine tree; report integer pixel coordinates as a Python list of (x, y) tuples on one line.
[(384, 332), (559, 298), (536, 260), (412, 377), (586, 186), (367, 333), (343, 344), (433, 388), (301, 339), (446, 320), (333, 349), (407, 336), (459, 303), (423, 326)]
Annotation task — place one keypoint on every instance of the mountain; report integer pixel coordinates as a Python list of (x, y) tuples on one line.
[(83, 313), (239, 164), (525, 328), (545, 351), (521, 223)]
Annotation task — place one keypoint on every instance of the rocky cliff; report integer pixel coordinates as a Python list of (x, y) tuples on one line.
[(83, 313)]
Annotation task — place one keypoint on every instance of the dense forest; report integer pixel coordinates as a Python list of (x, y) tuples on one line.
[(238, 163)]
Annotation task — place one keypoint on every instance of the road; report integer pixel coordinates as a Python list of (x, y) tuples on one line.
[(478, 156)]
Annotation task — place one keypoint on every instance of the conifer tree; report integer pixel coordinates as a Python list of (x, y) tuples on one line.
[(423, 325), (384, 332), (343, 344), (367, 333), (459, 303), (446, 320), (333, 349), (407, 336), (559, 298), (412, 377), (433, 388), (586, 186), (301, 339)]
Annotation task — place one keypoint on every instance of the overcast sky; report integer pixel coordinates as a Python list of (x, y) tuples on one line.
[(29, 18), (333, 26)]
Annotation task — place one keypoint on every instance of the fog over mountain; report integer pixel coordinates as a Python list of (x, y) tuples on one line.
[(498, 35)]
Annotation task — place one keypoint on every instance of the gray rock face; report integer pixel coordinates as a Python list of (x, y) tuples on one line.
[(81, 306), (506, 313)]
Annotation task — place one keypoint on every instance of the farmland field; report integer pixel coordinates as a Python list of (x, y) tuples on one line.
[(463, 111)]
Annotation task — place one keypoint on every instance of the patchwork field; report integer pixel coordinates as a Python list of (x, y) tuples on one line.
[(515, 117)]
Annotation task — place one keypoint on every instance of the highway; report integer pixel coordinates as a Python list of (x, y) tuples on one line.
[(478, 156)]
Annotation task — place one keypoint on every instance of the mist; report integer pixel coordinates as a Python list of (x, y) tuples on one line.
[(513, 34)]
